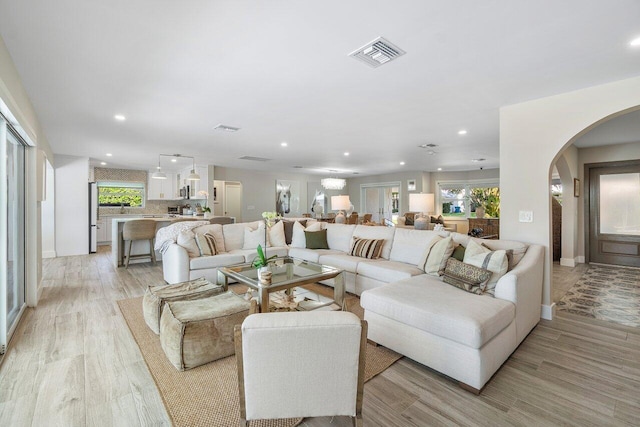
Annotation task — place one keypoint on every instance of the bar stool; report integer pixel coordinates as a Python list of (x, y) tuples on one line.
[(139, 229)]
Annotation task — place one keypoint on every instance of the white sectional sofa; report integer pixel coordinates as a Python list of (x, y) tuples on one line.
[(461, 334)]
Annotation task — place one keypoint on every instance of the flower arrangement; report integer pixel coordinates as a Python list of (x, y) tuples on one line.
[(269, 218), (205, 208)]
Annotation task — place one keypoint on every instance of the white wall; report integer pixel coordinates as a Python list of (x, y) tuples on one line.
[(532, 134), (567, 166), (48, 215), (72, 205), (15, 98), (607, 153)]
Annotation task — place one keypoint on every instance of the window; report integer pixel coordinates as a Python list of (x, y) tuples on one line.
[(460, 199), (121, 194)]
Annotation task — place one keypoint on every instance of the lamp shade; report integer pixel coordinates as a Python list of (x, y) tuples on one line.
[(159, 175), (421, 202), (193, 176), (340, 203)]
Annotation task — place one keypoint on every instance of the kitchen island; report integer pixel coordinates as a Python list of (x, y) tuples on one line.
[(139, 246)]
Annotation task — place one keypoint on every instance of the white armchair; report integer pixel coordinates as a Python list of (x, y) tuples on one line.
[(300, 364)]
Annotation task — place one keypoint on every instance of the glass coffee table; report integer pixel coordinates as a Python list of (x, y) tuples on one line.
[(287, 274)]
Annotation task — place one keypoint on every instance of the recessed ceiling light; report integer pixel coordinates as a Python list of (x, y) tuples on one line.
[(401, 163), (346, 153), (103, 163), (109, 154), (283, 144), (462, 132), (439, 169), (635, 42), (120, 117), (174, 160)]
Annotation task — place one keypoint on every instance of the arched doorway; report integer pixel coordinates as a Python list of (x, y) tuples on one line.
[(532, 137)]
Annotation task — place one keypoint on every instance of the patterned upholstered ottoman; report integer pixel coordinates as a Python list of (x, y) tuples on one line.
[(195, 332), (156, 296)]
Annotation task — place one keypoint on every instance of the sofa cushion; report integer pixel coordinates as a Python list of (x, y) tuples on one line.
[(366, 248), (299, 240), (458, 253), (387, 271), (312, 255), (426, 303), (220, 260), (339, 236), (234, 234), (466, 276), (316, 239), (409, 245), (345, 262), (386, 233), (250, 254), (494, 261), (518, 248)]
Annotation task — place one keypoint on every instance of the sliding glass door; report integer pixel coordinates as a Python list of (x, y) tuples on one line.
[(12, 224)]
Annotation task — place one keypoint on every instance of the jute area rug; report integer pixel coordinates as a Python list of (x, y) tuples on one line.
[(208, 395)]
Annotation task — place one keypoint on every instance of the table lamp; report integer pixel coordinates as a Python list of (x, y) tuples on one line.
[(422, 203), (340, 204)]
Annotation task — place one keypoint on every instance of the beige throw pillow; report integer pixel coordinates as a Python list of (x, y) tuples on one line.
[(494, 261), (253, 238), (439, 253), (298, 239), (187, 240), (206, 244), (276, 235)]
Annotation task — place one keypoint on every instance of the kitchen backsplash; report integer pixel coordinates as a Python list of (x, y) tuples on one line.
[(152, 207)]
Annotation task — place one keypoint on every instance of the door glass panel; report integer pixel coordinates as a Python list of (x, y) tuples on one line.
[(15, 228), (620, 204)]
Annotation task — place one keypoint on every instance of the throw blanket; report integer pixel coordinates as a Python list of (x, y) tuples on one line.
[(169, 234)]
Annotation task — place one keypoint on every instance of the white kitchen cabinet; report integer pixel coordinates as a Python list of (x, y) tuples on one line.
[(195, 186), (161, 189), (102, 237)]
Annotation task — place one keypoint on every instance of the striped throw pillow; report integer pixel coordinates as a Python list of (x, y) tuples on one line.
[(366, 248), (207, 244)]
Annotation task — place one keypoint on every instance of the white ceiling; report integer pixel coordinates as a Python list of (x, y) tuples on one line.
[(619, 130), (280, 70)]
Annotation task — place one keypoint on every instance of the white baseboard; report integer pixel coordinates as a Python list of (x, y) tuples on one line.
[(548, 311), (580, 259), (568, 262), (49, 254)]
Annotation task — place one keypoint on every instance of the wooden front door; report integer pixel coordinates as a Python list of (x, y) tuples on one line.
[(613, 203)]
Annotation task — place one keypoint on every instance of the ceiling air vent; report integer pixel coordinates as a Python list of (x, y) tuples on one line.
[(254, 159), (226, 128), (377, 52)]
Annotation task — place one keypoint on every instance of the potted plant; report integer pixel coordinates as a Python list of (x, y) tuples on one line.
[(205, 208), (261, 262)]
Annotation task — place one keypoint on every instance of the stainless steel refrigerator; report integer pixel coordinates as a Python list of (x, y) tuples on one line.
[(93, 217)]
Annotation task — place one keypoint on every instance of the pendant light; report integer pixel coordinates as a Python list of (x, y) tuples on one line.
[(159, 174), (193, 176)]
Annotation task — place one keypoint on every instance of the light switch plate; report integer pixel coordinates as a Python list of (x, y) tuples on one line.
[(525, 216)]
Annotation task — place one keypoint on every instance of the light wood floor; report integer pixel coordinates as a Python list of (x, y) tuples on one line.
[(73, 362)]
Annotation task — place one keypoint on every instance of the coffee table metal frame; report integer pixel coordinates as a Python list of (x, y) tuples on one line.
[(288, 273)]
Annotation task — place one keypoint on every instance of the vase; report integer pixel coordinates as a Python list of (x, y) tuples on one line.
[(479, 212), (264, 275), (207, 215)]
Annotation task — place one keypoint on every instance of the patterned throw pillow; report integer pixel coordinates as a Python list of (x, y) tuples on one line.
[(206, 244), (466, 276), (494, 261), (366, 248)]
